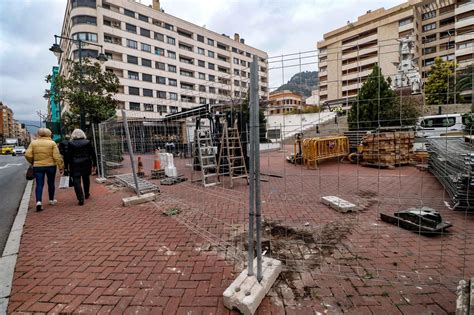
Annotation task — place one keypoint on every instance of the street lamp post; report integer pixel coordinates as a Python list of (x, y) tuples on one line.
[(57, 50)]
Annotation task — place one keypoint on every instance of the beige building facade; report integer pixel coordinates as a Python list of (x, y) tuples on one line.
[(164, 64), (439, 29), (282, 102), (7, 128)]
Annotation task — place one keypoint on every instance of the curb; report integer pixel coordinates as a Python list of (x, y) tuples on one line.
[(12, 247)]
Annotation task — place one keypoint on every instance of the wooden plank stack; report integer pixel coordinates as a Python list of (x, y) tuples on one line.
[(388, 149)]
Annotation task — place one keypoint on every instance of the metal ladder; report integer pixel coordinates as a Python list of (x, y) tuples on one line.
[(207, 157), (231, 155)]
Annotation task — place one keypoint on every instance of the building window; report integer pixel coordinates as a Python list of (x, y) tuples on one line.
[(149, 107), (132, 59), (169, 27), (202, 88), (212, 101), (202, 76), (171, 54), (428, 62), (200, 38), (147, 92), (202, 100), (144, 32), (210, 54), (186, 73), (132, 44), (212, 78), (161, 94), (201, 63), (211, 66), (172, 68), (162, 108), (131, 28), (173, 96), (236, 61), (429, 39), (172, 82), (210, 42), (129, 13), (170, 40), (160, 80), (429, 27), (448, 57), (84, 19), (428, 15), (405, 21), (147, 77), (160, 37), (91, 37), (160, 65), (159, 51), (133, 90), (236, 72), (133, 75), (212, 90), (201, 51), (143, 18), (173, 109), (83, 3), (134, 106), (146, 62), (429, 50), (146, 47)]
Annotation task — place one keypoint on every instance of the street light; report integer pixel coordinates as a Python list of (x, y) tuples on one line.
[(101, 57)]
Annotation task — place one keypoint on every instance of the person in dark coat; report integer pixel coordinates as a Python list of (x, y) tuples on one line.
[(63, 145), (80, 159)]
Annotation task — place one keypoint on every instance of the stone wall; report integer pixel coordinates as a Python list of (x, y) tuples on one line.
[(446, 109)]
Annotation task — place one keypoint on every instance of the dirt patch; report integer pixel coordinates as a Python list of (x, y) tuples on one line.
[(367, 199)]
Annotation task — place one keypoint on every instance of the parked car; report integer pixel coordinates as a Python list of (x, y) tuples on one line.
[(8, 149), (20, 150), (440, 125)]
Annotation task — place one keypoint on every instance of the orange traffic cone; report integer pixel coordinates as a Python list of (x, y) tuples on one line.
[(157, 164)]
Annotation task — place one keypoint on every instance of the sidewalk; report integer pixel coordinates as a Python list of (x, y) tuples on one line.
[(102, 258)]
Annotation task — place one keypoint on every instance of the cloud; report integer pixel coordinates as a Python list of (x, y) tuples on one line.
[(278, 27)]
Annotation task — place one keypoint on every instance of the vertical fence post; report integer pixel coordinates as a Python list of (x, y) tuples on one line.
[(130, 151), (256, 143), (101, 147), (251, 140), (96, 149)]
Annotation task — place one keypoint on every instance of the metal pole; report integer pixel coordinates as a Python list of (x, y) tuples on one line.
[(130, 151), (251, 140), (81, 105), (258, 210), (96, 151)]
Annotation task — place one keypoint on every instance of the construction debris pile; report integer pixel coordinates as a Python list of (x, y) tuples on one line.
[(388, 149), (452, 162)]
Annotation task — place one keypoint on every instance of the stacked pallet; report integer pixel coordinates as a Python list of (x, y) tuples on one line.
[(388, 149), (452, 162)]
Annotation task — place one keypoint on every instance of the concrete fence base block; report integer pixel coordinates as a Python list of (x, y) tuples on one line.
[(465, 297), (246, 293), (136, 200), (100, 180), (338, 204)]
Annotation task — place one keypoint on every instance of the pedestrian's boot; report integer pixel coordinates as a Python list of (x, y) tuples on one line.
[(81, 202), (39, 206)]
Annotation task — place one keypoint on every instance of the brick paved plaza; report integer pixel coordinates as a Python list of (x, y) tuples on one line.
[(104, 258)]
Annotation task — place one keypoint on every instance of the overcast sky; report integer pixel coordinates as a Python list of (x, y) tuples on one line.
[(27, 29)]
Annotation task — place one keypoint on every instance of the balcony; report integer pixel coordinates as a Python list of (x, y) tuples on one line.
[(464, 51), (358, 74), (464, 22), (360, 63), (352, 86), (464, 37), (405, 27), (361, 52), (464, 8)]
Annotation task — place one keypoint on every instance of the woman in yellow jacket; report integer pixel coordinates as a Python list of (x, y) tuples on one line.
[(43, 153)]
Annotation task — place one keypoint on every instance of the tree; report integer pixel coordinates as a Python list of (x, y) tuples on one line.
[(439, 88), (375, 105), (90, 86)]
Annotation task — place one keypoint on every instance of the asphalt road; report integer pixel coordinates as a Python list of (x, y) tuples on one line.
[(12, 186)]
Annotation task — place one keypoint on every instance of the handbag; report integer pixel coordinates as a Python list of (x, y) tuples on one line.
[(64, 182), (30, 174)]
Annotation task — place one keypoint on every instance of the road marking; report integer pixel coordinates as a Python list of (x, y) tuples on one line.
[(5, 166)]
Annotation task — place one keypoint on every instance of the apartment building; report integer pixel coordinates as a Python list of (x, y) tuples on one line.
[(281, 102), (164, 64), (439, 29), (6, 122)]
